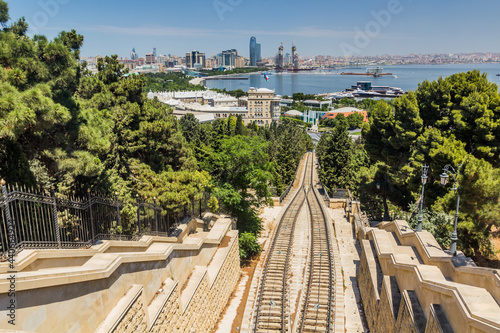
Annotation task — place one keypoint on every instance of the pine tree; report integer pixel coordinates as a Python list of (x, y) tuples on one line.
[(334, 155), (240, 127)]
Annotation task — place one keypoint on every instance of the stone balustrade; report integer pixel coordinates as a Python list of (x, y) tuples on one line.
[(408, 283)]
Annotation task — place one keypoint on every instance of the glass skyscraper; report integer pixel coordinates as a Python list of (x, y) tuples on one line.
[(255, 52)]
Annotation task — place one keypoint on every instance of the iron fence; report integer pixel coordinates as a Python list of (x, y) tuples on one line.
[(31, 219), (361, 221)]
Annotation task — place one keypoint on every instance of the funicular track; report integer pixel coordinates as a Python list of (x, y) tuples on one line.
[(272, 310), (272, 313), (317, 312)]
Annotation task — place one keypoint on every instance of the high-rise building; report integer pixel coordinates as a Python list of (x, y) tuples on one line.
[(255, 52), (279, 61), (228, 58), (161, 59), (150, 59), (295, 57), (195, 58), (154, 51), (133, 55), (320, 59), (240, 62), (288, 59)]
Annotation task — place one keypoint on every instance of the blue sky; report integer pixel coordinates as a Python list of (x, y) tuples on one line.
[(334, 27)]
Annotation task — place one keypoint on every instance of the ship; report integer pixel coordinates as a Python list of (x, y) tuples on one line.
[(366, 90), (370, 71)]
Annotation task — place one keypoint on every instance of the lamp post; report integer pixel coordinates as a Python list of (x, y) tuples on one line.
[(424, 178), (444, 181)]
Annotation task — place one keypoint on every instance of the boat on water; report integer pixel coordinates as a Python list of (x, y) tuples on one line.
[(341, 95), (366, 94), (366, 90), (370, 71)]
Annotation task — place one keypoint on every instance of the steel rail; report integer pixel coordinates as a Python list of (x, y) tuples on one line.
[(311, 319), (273, 268)]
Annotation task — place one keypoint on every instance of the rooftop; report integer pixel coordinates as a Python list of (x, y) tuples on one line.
[(346, 109), (262, 90), (294, 113)]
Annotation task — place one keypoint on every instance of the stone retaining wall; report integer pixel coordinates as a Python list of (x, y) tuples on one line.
[(207, 302), (379, 297), (102, 293), (135, 319), (390, 307)]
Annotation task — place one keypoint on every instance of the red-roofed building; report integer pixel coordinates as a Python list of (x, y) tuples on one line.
[(346, 112)]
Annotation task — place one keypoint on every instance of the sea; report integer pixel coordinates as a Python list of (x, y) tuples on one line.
[(406, 77)]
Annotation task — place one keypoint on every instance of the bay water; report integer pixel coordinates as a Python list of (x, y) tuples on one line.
[(406, 77)]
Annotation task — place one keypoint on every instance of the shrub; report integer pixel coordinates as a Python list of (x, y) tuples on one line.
[(213, 204), (248, 245)]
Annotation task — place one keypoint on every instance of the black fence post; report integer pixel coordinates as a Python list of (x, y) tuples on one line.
[(11, 231), (91, 217), (138, 212), (168, 223), (118, 209), (201, 209), (156, 215), (56, 222)]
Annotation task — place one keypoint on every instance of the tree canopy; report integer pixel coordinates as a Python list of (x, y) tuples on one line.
[(453, 120), (335, 155)]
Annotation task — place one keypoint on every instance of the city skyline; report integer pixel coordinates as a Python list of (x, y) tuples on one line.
[(338, 29)]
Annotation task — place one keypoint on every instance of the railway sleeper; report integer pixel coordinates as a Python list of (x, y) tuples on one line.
[(312, 328), (269, 326)]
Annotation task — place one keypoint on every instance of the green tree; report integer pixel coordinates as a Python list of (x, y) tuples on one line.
[(355, 120), (455, 120), (335, 155), (289, 143), (4, 12), (191, 127), (169, 82), (240, 127), (242, 173)]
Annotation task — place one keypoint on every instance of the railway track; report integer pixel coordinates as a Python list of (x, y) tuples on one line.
[(272, 311), (317, 313)]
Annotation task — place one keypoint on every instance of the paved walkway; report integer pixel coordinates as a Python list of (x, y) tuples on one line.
[(197, 81), (349, 255)]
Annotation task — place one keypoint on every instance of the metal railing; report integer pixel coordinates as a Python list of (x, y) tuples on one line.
[(354, 207), (285, 193), (31, 219), (289, 188), (324, 191)]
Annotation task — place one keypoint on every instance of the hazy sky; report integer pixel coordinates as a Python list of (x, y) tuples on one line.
[(360, 27)]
